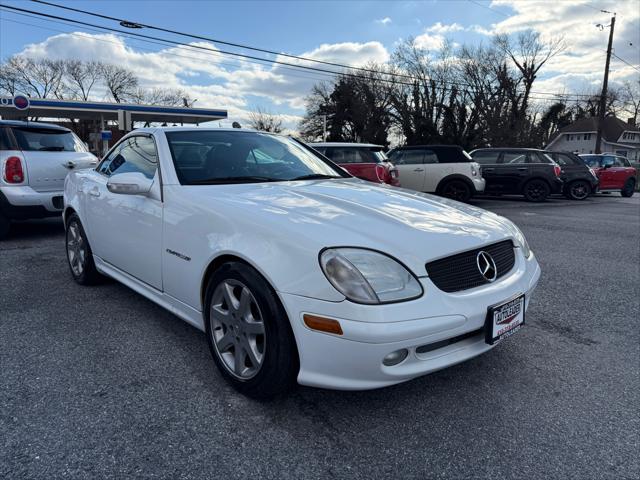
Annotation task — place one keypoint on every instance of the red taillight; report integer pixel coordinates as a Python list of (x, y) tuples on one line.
[(557, 170), (13, 172)]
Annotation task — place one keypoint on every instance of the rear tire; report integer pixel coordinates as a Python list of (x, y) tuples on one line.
[(79, 255), (252, 345), (5, 226), (578, 190), (629, 188), (536, 190), (456, 190)]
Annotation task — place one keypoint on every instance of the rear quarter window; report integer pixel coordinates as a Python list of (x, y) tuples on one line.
[(47, 140)]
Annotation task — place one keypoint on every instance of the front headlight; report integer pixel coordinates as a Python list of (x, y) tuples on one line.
[(521, 242), (366, 276)]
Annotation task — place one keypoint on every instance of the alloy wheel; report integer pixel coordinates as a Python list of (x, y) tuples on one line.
[(456, 191), (237, 329), (76, 249), (579, 190)]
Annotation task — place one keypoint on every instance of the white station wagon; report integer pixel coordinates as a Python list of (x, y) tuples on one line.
[(294, 269)]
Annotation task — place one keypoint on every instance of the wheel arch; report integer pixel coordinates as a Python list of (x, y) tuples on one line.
[(68, 211), (536, 177), (455, 176)]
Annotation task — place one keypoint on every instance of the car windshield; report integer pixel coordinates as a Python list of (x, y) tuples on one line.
[(215, 157), (591, 160), (48, 140)]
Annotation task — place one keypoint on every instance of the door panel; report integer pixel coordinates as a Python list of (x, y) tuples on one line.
[(434, 171), (411, 169), (127, 229)]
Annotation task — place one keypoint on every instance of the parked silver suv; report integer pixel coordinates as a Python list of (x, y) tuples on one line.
[(34, 161)]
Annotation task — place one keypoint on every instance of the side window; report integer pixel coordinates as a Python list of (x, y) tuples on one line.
[(538, 157), (136, 154), (344, 155), (408, 157), (514, 158), (430, 157), (486, 157), (618, 162)]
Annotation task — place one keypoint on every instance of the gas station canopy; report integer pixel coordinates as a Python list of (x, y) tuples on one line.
[(49, 108)]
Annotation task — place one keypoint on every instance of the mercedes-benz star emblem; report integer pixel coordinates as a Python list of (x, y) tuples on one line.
[(486, 266)]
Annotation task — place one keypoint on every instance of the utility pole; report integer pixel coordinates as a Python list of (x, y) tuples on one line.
[(603, 96)]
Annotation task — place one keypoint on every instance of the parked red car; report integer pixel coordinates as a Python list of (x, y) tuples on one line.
[(362, 160), (614, 172)]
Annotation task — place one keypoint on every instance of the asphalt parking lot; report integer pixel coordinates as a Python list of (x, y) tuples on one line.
[(101, 383)]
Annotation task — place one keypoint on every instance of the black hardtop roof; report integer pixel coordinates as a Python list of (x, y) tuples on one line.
[(419, 147)]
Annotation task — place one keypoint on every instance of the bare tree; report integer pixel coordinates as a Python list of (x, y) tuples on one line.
[(168, 97), (630, 97), (33, 77), (261, 119), (120, 82), (529, 54), (80, 77)]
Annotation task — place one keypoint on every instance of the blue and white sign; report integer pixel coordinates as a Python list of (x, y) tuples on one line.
[(106, 134)]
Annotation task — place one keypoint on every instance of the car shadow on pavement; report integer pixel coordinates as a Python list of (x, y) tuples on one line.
[(34, 229)]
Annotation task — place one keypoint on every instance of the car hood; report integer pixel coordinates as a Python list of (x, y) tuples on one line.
[(413, 227)]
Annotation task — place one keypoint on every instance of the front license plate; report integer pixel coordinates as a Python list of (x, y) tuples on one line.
[(504, 320)]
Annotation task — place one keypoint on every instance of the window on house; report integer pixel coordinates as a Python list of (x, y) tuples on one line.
[(587, 136)]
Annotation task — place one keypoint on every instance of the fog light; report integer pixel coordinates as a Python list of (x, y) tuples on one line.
[(394, 358)]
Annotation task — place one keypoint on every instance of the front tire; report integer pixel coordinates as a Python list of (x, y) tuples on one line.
[(5, 226), (248, 332), (79, 255), (628, 189), (578, 190), (536, 190), (456, 190)]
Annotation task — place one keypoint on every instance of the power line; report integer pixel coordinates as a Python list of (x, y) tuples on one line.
[(152, 39), (237, 64), (489, 8), (635, 67), (122, 21), (200, 37)]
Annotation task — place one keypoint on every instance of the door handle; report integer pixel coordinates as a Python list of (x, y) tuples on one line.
[(419, 170), (522, 169), (94, 192), (484, 169)]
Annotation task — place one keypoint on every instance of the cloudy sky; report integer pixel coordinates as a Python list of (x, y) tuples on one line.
[(352, 33)]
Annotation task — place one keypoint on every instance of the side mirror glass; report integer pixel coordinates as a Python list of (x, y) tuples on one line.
[(129, 183)]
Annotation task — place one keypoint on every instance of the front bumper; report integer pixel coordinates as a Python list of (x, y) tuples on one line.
[(23, 202), (478, 184), (353, 361)]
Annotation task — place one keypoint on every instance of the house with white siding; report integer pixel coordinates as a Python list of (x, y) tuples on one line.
[(618, 137)]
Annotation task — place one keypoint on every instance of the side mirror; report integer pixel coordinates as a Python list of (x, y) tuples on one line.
[(129, 183)]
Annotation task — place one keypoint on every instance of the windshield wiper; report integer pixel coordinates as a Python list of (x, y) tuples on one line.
[(51, 149), (243, 179), (314, 176)]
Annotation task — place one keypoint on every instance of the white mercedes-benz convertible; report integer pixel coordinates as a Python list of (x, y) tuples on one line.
[(294, 269)]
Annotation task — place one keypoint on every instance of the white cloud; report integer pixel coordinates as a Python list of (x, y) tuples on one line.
[(442, 28), (384, 21), (428, 41), (216, 80), (580, 66)]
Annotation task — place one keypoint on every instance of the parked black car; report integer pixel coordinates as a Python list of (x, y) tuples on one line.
[(523, 171), (579, 179)]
